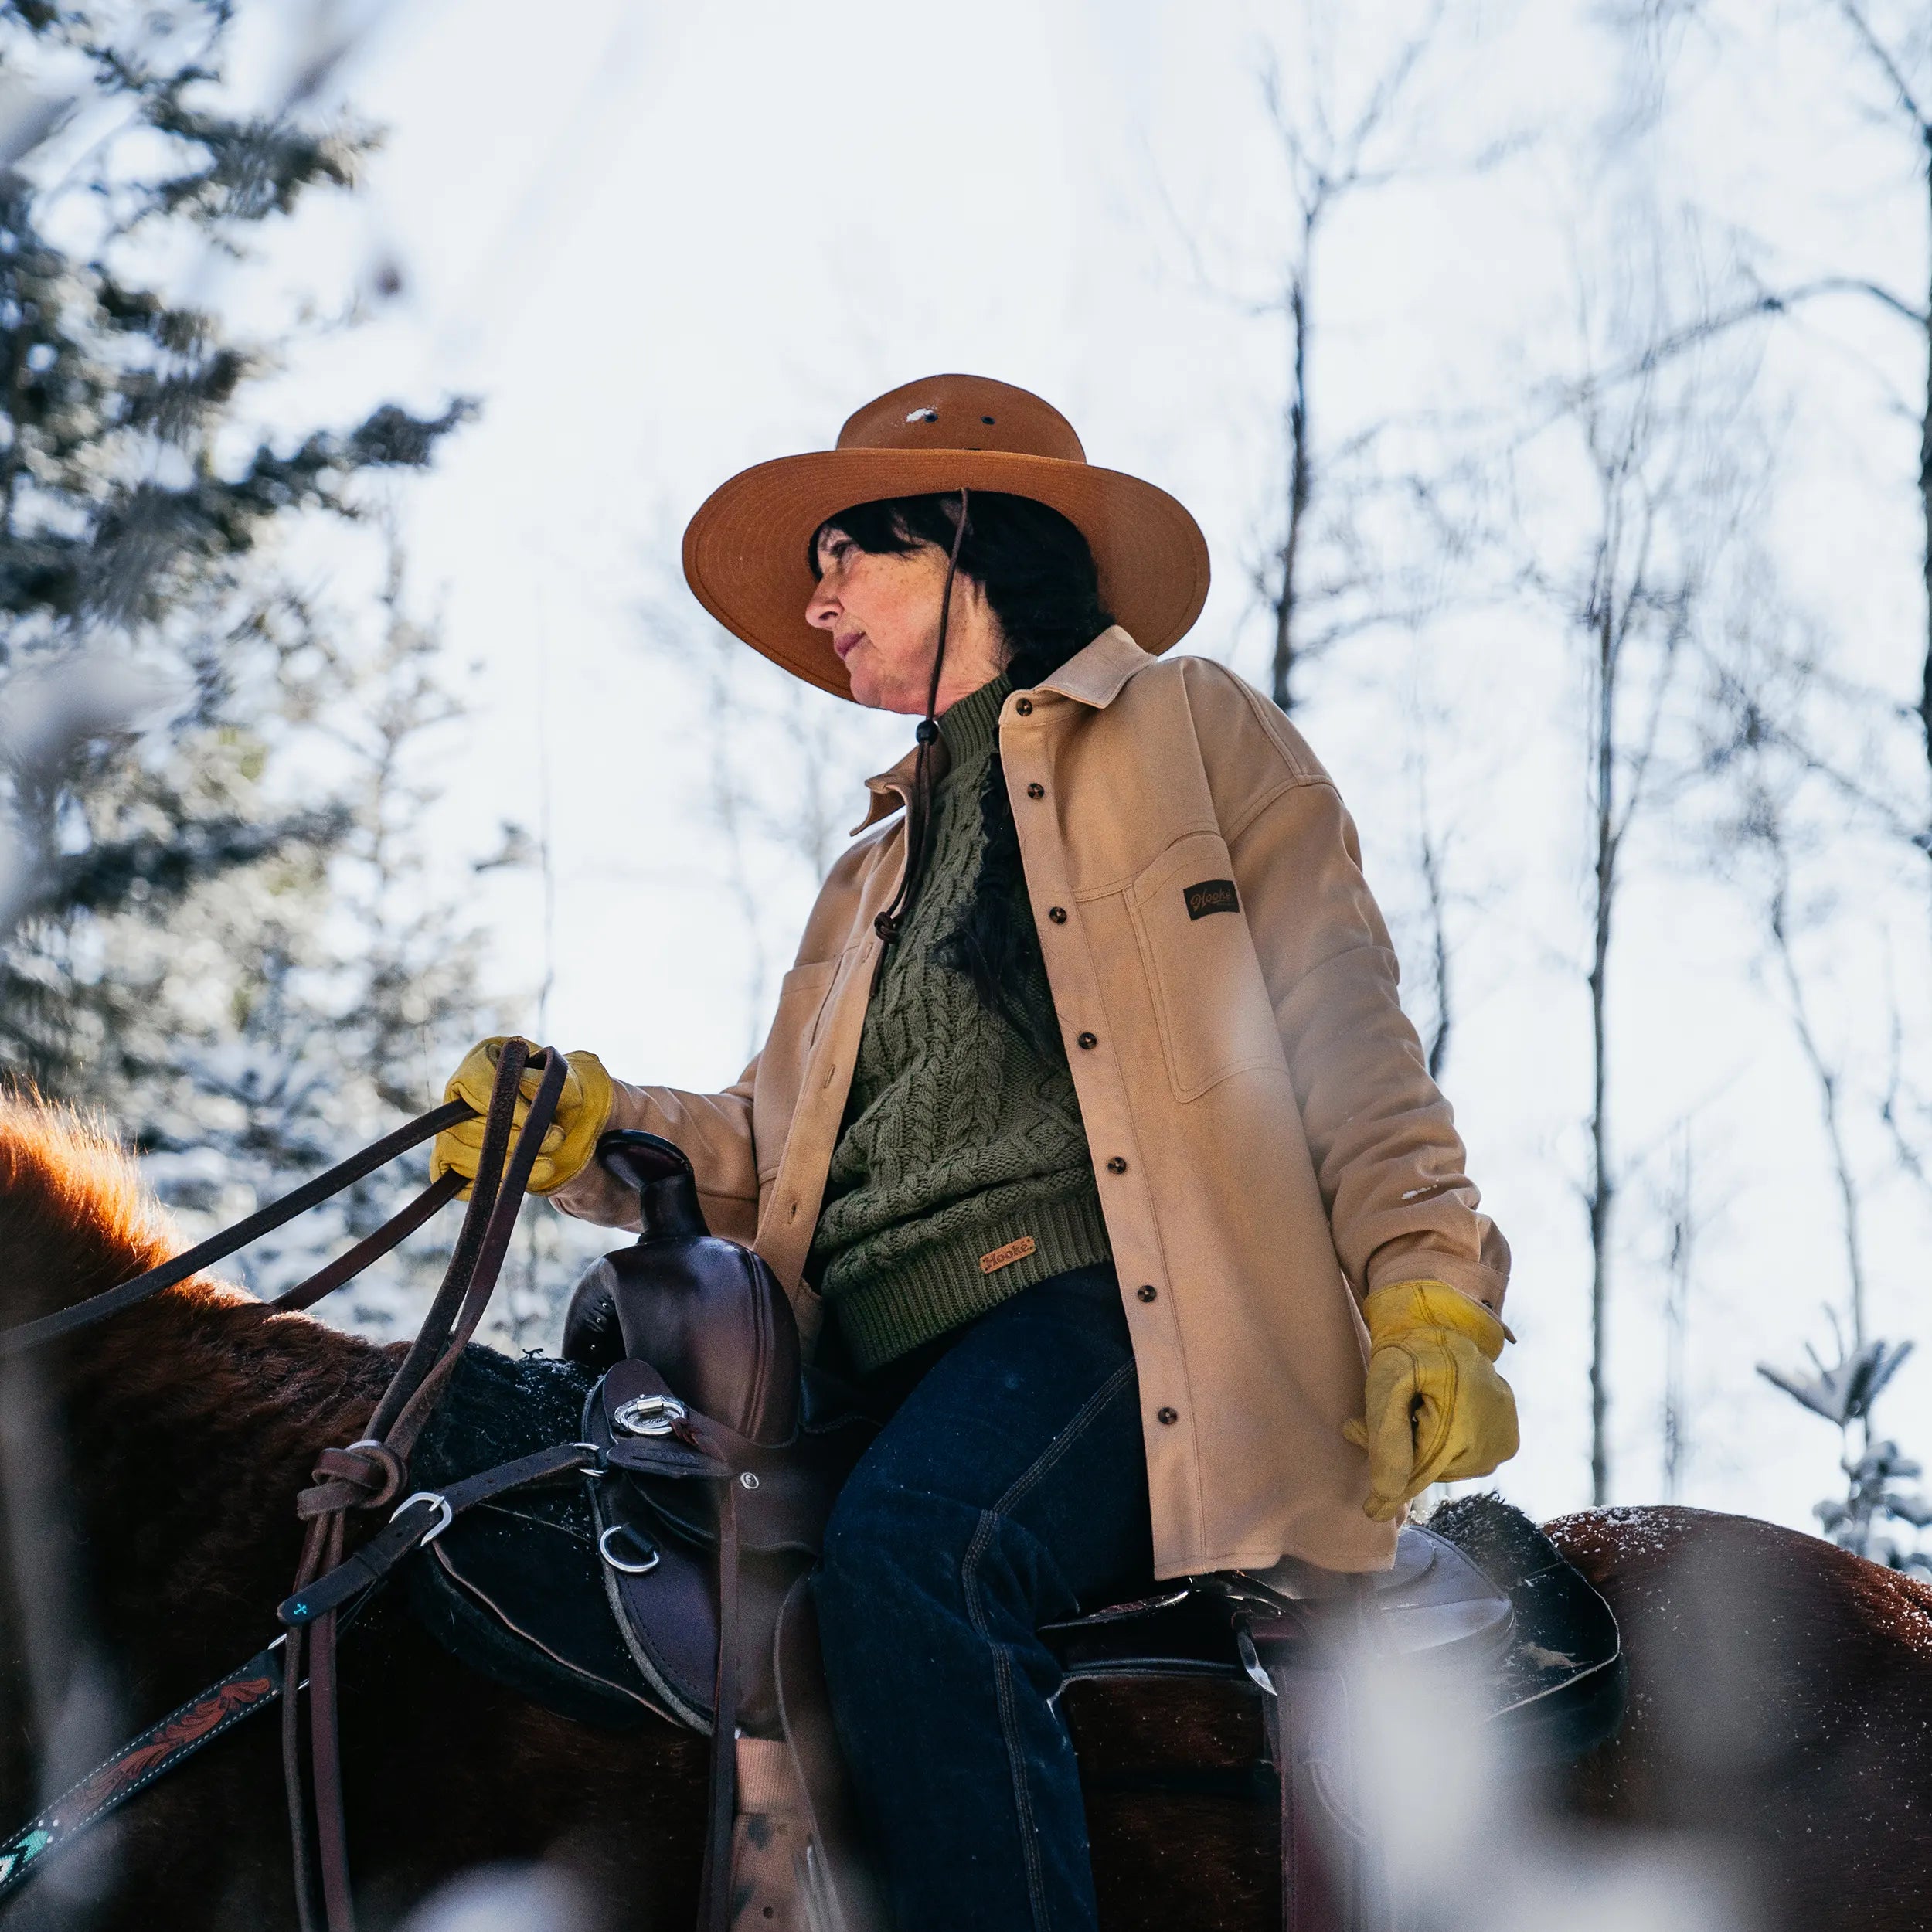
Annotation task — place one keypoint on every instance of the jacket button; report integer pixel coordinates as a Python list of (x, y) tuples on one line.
[(1169, 1416), (1117, 1165), (1024, 706), (1057, 914), (1089, 1041), (1148, 1293), (1036, 791)]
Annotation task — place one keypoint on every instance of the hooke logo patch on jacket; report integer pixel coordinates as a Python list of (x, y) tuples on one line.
[(1211, 896)]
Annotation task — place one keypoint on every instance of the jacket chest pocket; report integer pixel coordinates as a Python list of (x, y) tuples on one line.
[(781, 1066), (1210, 1001)]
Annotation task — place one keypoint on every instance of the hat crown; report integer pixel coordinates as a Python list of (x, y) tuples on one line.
[(962, 412)]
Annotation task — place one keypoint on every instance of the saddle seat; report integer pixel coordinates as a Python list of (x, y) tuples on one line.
[(1434, 1602)]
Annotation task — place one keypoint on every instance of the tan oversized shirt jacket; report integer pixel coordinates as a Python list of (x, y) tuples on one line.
[(1266, 1140)]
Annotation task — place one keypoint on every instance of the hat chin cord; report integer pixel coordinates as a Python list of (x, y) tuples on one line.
[(918, 805)]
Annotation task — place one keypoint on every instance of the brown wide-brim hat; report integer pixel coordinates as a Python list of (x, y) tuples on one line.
[(745, 552)]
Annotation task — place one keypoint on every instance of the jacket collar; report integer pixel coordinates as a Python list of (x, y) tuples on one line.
[(1098, 674), (1094, 676)]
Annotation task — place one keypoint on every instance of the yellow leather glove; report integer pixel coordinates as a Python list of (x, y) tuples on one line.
[(583, 1111), (1436, 1411)]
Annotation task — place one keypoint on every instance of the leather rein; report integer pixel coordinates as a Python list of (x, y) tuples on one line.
[(370, 1473)]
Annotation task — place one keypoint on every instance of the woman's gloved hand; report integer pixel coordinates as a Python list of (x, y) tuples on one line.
[(583, 1111), (1437, 1411)]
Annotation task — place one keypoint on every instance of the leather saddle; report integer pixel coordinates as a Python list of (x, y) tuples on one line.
[(723, 1454), (726, 1443)]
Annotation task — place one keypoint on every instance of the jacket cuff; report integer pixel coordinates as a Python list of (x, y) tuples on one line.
[(1414, 1260)]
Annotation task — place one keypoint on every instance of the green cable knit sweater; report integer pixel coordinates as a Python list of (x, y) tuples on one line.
[(961, 1174)]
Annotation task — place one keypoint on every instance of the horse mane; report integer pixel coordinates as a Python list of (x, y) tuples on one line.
[(76, 1216)]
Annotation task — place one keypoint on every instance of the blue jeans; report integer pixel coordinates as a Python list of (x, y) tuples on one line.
[(1008, 1490)]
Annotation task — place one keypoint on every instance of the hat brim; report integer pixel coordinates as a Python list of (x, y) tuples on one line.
[(745, 559)]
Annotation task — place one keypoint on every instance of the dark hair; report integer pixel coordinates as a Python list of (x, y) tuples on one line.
[(1040, 583)]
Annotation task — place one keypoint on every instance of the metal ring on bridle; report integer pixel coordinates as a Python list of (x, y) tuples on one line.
[(443, 1522), (649, 1415), (617, 1562)]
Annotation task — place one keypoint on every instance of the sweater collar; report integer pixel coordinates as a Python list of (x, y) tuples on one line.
[(969, 727)]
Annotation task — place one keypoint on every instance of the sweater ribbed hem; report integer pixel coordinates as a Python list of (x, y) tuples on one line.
[(944, 1286)]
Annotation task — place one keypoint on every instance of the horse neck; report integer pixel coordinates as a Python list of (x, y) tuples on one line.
[(155, 1460)]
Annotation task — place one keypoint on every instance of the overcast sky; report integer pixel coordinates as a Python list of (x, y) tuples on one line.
[(659, 243)]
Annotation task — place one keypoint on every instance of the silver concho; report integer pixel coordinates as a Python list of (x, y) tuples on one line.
[(649, 1416)]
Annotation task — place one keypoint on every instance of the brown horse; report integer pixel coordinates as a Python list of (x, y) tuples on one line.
[(1779, 1726)]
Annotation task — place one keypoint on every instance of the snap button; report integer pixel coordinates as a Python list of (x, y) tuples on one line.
[(1147, 1293), (1057, 914), (1036, 791), (1089, 1041), (749, 1479), (1169, 1416), (1024, 706), (1117, 1165)]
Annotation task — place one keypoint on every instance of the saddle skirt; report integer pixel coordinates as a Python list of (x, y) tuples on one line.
[(659, 1530)]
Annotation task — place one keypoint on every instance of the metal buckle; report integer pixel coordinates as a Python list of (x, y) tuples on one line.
[(617, 1562), (436, 1528), (649, 1415)]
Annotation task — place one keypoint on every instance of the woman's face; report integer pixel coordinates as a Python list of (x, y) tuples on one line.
[(882, 613)]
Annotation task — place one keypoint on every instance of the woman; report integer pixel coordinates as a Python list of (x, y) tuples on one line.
[(1089, 1131)]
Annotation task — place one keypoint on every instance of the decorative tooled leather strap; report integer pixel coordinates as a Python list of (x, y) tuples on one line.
[(162, 1746)]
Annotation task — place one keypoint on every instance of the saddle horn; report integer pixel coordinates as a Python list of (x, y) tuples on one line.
[(706, 1313)]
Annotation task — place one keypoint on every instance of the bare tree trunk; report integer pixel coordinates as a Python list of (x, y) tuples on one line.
[(1641, 588), (1602, 1185), (1925, 482), (1437, 898), (1281, 684), (1677, 1440), (1335, 149)]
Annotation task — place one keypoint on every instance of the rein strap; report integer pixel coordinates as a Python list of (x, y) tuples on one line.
[(218, 1247)]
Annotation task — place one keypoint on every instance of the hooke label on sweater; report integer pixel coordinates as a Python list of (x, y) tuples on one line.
[(1004, 1257)]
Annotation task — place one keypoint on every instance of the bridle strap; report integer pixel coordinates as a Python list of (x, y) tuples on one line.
[(371, 1249), (406, 1406), (495, 1246), (499, 1121), (218, 1247)]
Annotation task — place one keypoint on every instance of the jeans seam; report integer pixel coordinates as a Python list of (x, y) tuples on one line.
[(1065, 1440), (1008, 1732), (1002, 1678)]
